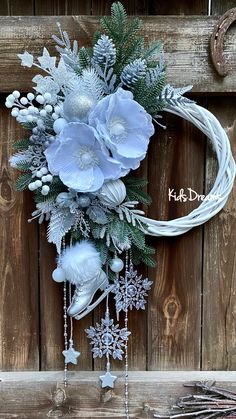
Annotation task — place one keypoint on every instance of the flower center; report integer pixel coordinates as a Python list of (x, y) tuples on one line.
[(86, 158), (117, 128)]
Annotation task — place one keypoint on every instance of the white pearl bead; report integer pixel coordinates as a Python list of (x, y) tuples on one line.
[(58, 275), (117, 265), (59, 124)]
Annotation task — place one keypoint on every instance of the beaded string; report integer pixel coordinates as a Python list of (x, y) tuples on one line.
[(71, 342), (126, 344), (65, 321)]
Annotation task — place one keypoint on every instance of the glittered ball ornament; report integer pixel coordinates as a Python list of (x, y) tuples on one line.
[(116, 265), (77, 106), (112, 193), (59, 275)]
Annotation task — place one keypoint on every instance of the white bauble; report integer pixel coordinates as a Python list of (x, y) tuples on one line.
[(59, 124), (117, 265), (77, 106), (112, 193), (59, 275)]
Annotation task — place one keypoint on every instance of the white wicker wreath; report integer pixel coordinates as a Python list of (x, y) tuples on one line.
[(210, 126)]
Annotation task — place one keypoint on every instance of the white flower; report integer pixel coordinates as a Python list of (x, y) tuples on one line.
[(77, 158), (124, 126)]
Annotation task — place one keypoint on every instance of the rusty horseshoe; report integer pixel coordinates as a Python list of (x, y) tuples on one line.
[(217, 41)]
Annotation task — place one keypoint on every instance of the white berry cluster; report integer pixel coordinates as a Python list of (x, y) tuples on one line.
[(25, 111), (43, 177)]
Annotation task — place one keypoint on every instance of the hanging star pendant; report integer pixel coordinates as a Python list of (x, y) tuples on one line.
[(108, 380), (71, 355)]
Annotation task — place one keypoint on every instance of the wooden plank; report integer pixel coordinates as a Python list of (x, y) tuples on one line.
[(186, 41), (62, 7), (180, 7), (219, 297), (19, 264), (133, 7), (41, 395), (4, 8), (17, 7), (219, 7), (176, 160)]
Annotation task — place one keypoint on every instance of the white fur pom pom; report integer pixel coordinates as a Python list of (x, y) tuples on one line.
[(81, 262)]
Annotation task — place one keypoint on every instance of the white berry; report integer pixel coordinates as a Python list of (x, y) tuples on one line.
[(48, 108), (16, 94), (30, 96), (40, 99), (43, 113), (32, 186), (44, 170), (24, 100), (38, 183), (45, 190)]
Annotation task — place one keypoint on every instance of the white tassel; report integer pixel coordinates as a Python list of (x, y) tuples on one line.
[(81, 262)]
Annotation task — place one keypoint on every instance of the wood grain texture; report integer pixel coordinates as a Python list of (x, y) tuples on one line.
[(186, 43), (219, 7), (19, 7), (41, 395), (219, 297), (176, 160), (19, 265), (133, 7), (4, 8), (62, 7), (180, 7)]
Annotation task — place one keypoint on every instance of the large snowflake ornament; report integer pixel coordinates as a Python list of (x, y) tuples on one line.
[(107, 338), (131, 290)]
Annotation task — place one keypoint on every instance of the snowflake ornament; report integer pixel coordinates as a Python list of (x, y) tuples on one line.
[(107, 338), (131, 290)]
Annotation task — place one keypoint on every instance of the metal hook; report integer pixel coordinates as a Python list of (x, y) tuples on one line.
[(217, 41)]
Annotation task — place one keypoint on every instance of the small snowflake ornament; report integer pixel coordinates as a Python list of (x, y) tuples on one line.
[(108, 339), (131, 290)]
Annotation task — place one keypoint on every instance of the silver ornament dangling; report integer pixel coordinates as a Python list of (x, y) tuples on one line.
[(116, 265), (112, 193), (58, 275)]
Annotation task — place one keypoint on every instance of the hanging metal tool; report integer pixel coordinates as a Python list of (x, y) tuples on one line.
[(217, 41)]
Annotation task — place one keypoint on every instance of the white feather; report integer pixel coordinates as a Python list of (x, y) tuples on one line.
[(81, 262)]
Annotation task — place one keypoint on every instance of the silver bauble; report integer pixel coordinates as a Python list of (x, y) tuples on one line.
[(77, 106), (112, 193)]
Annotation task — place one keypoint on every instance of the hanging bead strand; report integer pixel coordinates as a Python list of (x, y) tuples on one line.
[(126, 344), (65, 322)]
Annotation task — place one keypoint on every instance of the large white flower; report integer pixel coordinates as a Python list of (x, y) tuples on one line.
[(77, 158), (124, 126)]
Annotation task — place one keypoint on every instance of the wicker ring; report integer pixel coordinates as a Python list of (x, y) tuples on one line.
[(210, 206)]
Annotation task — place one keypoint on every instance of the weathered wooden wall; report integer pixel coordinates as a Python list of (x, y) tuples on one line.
[(189, 323)]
